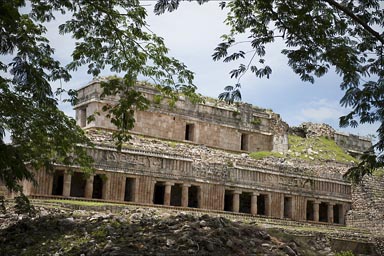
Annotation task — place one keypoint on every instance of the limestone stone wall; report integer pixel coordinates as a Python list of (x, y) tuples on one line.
[(368, 204), (213, 179), (355, 145), (232, 127)]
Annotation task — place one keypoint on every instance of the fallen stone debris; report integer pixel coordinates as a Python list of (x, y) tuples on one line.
[(141, 231)]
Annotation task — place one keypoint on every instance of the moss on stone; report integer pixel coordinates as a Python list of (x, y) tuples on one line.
[(319, 148), (81, 203), (263, 154), (309, 149)]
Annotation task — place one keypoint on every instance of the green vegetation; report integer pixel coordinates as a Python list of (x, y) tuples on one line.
[(379, 172), (317, 148), (263, 154), (256, 121), (172, 144), (116, 38), (81, 203), (157, 99), (356, 32)]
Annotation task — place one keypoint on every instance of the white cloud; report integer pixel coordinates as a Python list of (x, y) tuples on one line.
[(192, 32), (320, 114), (320, 111)]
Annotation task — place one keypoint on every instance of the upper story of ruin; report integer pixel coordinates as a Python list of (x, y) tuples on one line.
[(238, 127)]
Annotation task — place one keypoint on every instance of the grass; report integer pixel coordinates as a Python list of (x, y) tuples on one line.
[(263, 154), (309, 149), (172, 144), (378, 172), (81, 203), (322, 149)]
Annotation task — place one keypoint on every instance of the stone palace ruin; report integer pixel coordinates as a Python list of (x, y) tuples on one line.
[(197, 156)]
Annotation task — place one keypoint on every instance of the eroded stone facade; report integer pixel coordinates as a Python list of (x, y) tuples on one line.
[(368, 204), (353, 144), (153, 171), (239, 127), (196, 156)]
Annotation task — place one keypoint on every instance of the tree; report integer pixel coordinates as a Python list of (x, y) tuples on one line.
[(109, 34), (318, 35)]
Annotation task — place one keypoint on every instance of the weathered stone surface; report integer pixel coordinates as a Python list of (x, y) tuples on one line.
[(205, 153), (237, 127), (353, 144), (156, 232), (368, 204)]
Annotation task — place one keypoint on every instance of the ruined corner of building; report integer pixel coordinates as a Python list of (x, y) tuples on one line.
[(201, 156)]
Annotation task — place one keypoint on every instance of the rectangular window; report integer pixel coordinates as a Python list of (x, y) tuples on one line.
[(189, 130), (130, 185), (244, 142)]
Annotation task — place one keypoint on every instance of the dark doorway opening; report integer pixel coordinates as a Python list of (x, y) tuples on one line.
[(78, 184), (323, 212), (262, 204), (58, 183), (310, 210), (288, 207), (228, 201), (176, 191), (97, 187), (336, 214), (158, 194), (244, 142), (130, 185), (189, 131), (245, 202), (193, 197)]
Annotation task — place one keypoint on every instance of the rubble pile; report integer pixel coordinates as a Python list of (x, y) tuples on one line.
[(146, 232), (310, 130), (202, 154)]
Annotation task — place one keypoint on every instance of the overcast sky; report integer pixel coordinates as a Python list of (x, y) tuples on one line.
[(192, 32)]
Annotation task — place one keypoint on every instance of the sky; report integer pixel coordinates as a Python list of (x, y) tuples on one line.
[(192, 32)]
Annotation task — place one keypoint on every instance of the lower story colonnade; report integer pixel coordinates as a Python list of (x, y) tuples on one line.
[(116, 186)]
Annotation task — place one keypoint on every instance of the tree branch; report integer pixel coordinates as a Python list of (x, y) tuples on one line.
[(355, 18)]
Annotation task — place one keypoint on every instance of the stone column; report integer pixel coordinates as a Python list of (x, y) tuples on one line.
[(184, 195), (136, 191), (123, 185), (316, 211), (330, 213), (236, 201), (167, 193), (67, 184), (342, 211), (89, 187), (254, 203), (268, 205)]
